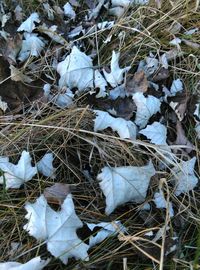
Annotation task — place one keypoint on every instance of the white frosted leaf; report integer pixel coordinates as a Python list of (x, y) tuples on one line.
[(177, 86), (105, 25), (116, 11), (29, 24), (126, 129), (76, 70), (16, 175), (184, 176), (107, 229), (197, 110), (3, 105), (31, 46), (197, 129), (175, 42), (100, 83), (118, 91), (146, 107), (34, 264), (45, 166), (116, 76), (125, 184), (57, 228), (160, 202), (149, 65), (156, 132), (122, 3), (68, 11)]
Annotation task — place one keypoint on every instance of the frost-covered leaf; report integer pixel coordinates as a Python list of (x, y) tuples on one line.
[(125, 129), (105, 25), (125, 184), (177, 86), (118, 91), (107, 229), (184, 176), (18, 76), (175, 42), (68, 11), (160, 202), (57, 193), (57, 228), (149, 65), (3, 105), (76, 70), (95, 11), (116, 76), (18, 13), (197, 129), (16, 175), (116, 11), (29, 24), (146, 107), (51, 32), (156, 132), (100, 83), (45, 166), (34, 264), (122, 3), (31, 46)]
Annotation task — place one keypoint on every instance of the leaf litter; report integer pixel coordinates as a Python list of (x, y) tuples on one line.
[(97, 108)]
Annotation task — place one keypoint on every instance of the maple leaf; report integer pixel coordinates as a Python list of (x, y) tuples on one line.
[(57, 228), (45, 166), (29, 24), (156, 132), (16, 175), (146, 107), (116, 76), (184, 176), (126, 129), (125, 184), (76, 70)]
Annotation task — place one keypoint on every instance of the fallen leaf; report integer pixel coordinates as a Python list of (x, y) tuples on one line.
[(116, 76), (69, 12), (160, 202), (176, 87), (125, 184), (191, 44), (182, 140), (57, 193), (94, 13), (163, 74), (45, 166), (125, 129), (58, 229), (17, 75), (184, 176), (29, 24), (149, 65), (116, 11), (138, 83), (16, 175), (122, 3), (34, 264), (156, 132), (146, 107), (175, 42), (18, 13), (76, 70), (106, 229), (180, 106), (3, 105), (31, 46), (51, 32), (100, 83)]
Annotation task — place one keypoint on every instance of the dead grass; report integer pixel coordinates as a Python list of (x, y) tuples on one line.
[(69, 135)]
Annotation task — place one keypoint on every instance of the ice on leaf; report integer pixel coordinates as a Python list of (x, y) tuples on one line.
[(3, 105), (160, 202), (68, 11), (45, 165), (57, 228), (107, 229), (29, 24), (126, 129), (156, 132), (16, 175), (184, 176), (125, 184), (146, 107), (177, 86), (100, 83), (34, 264), (76, 70), (31, 46), (116, 76)]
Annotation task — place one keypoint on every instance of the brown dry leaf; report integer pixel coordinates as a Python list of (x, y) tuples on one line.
[(18, 76), (57, 193), (163, 74), (12, 48), (138, 83), (179, 105), (181, 139)]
